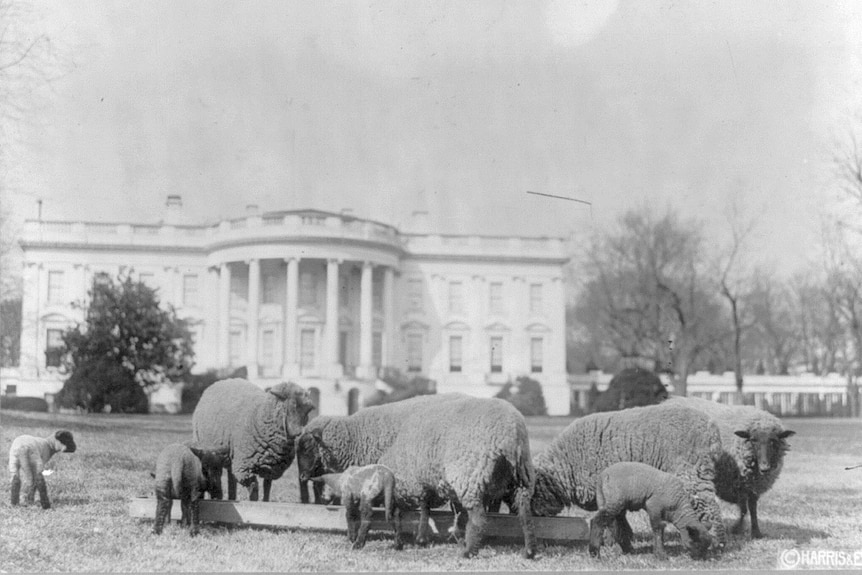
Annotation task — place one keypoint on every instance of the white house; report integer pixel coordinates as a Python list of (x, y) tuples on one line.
[(321, 298)]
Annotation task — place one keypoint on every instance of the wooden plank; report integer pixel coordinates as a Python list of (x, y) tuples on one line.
[(502, 527)]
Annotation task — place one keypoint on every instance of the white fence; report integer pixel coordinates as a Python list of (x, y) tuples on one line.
[(804, 394)]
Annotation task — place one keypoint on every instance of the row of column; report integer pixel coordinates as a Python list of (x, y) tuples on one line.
[(329, 359)]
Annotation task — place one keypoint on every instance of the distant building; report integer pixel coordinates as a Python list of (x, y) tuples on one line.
[(321, 298)]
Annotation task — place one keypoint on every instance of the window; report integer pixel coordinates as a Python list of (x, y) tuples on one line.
[(536, 303), (496, 354), (344, 291), (267, 348), (54, 348), (190, 289), (235, 347), (495, 298), (55, 287), (377, 349), (377, 295), (307, 289), (536, 355), (270, 288), (147, 278), (101, 278), (414, 294), (414, 352), (455, 342), (456, 297), (11, 389), (306, 350)]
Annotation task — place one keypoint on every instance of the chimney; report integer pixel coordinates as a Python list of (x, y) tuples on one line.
[(173, 209), (419, 222)]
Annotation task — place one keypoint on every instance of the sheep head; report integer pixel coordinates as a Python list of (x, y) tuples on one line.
[(767, 446), (332, 493), (313, 457), (66, 440), (297, 404)]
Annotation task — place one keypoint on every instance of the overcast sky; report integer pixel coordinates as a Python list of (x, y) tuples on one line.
[(378, 106)]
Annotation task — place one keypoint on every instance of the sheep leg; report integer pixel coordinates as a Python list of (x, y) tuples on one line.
[(163, 511), (755, 527), (365, 522), (460, 524), (267, 487), (739, 526), (253, 489), (624, 532), (16, 488), (30, 492), (658, 539), (231, 485), (475, 527), (396, 526), (43, 491), (525, 518), (598, 523), (352, 513), (194, 516), (303, 491), (422, 528)]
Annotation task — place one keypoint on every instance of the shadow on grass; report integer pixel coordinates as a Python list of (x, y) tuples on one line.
[(777, 530)]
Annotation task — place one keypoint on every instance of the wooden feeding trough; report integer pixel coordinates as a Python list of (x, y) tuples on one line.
[(500, 527)]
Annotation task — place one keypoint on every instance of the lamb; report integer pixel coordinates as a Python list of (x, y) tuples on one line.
[(675, 439), (753, 446), (460, 449), (360, 488), (30, 454), (184, 472), (633, 486), (259, 427)]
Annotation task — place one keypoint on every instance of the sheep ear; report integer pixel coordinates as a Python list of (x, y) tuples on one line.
[(785, 434), (743, 434), (282, 390), (317, 434)]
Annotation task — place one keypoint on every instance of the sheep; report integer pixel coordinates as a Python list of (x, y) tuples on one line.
[(359, 488), (458, 448), (184, 472), (675, 439), (753, 446), (632, 486), (30, 454), (258, 426)]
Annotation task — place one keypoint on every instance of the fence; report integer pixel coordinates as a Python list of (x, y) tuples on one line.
[(784, 395)]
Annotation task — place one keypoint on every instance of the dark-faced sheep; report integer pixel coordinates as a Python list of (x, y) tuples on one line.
[(442, 448), (259, 427), (632, 486), (676, 439), (753, 443), (28, 456), (360, 489), (185, 473)]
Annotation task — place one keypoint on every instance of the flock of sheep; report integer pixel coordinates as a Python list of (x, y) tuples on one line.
[(675, 460)]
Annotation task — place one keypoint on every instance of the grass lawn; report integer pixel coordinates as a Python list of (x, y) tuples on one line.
[(815, 505)]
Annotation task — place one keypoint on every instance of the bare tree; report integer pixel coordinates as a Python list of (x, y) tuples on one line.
[(646, 293), (774, 335)]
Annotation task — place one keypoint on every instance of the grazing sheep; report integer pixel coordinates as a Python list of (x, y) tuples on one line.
[(632, 387), (675, 439), (360, 488), (259, 427), (185, 473), (753, 446), (30, 454), (632, 486), (451, 447)]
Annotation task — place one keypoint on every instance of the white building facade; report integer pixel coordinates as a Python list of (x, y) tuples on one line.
[(320, 298)]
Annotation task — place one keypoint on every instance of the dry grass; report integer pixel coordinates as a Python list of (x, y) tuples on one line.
[(815, 505)]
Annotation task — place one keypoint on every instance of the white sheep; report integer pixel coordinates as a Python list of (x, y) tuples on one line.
[(753, 446), (259, 427), (29, 454)]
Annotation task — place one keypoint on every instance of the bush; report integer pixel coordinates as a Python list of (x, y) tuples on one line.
[(526, 395), (632, 387), (403, 387), (98, 383), (23, 403), (194, 388)]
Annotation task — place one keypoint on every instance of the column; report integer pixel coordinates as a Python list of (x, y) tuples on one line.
[(291, 290), (366, 318), (253, 317), (211, 360), (388, 352), (331, 344), (224, 316)]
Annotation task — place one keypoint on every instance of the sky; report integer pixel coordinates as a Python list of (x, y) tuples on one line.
[(456, 107)]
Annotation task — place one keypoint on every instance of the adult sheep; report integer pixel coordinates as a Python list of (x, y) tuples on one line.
[(672, 438), (258, 426), (451, 447), (753, 446)]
